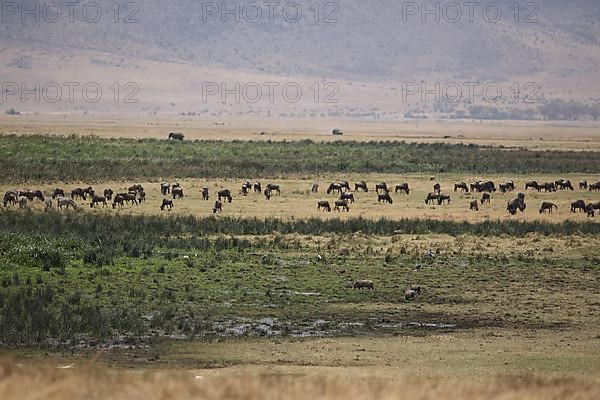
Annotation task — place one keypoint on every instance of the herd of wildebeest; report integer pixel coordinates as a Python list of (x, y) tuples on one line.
[(343, 190)]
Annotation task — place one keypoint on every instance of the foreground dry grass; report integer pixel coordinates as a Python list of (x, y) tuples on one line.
[(29, 382), (297, 201)]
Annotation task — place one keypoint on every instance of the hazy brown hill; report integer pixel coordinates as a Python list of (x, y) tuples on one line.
[(370, 43)]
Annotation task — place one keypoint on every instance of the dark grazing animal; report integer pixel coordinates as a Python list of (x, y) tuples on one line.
[(274, 188), (363, 284), (578, 205), (381, 187), (108, 193), (516, 205), (65, 202), (564, 185), (437, 188), (75, 193), (583, 185), (341, 205), (473, 205), (547, 206), (443, 198), (267, 192), (176, 135), (11, 198), (461, 186), (58, 192), (166, 203), (486, 198), (218, 207), (118, 200), (257, 187), (347, 196), (204, 193), (361, 186), (165, 188), (315, 188), (324, 204), (385, 198), (594, 187), (334, 187), (590, 210), (532, 185), (402, 188), (177, 192), (431, 197), (98, 200), (224, 194)]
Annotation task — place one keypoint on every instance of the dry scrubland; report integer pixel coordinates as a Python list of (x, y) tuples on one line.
[(143, 303), (572, 135)]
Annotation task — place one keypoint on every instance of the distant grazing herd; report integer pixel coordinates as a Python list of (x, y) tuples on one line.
[(136, 195)]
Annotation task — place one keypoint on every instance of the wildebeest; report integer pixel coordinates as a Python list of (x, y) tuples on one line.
[(516, 205), (58, 192), (97, 200), (385, 198), (118, 200), (443, 198), (583, 185), (128, 198), (267, 192), (324, 204), (473, 205), (437, 188), (165, 188), (167, 203), (315, 188), (564, 184), (89, 191), (402, 188), (65, 202), (578, 205), (257, 187), (218, 207), (177, 192), (108, 193), (486, 198), (10, 197), (594, 187), (135, 188), (461, 186), (532, 185), (381, 187), (412, 292), (547, 206), (141, 196), (274, 188), (363, 284), (431, 197), (508, 186), (347, 196), (547, 187), (341, 205), (244, 189), (205, 193), (224, 194), (79, 192), (23, 201), (590, 210), (334, 187), (176, 135), (361, 186), (32, 194)]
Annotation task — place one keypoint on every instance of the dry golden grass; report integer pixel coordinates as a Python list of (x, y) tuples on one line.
[(538, 135), (27, 381), (296, 200)]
